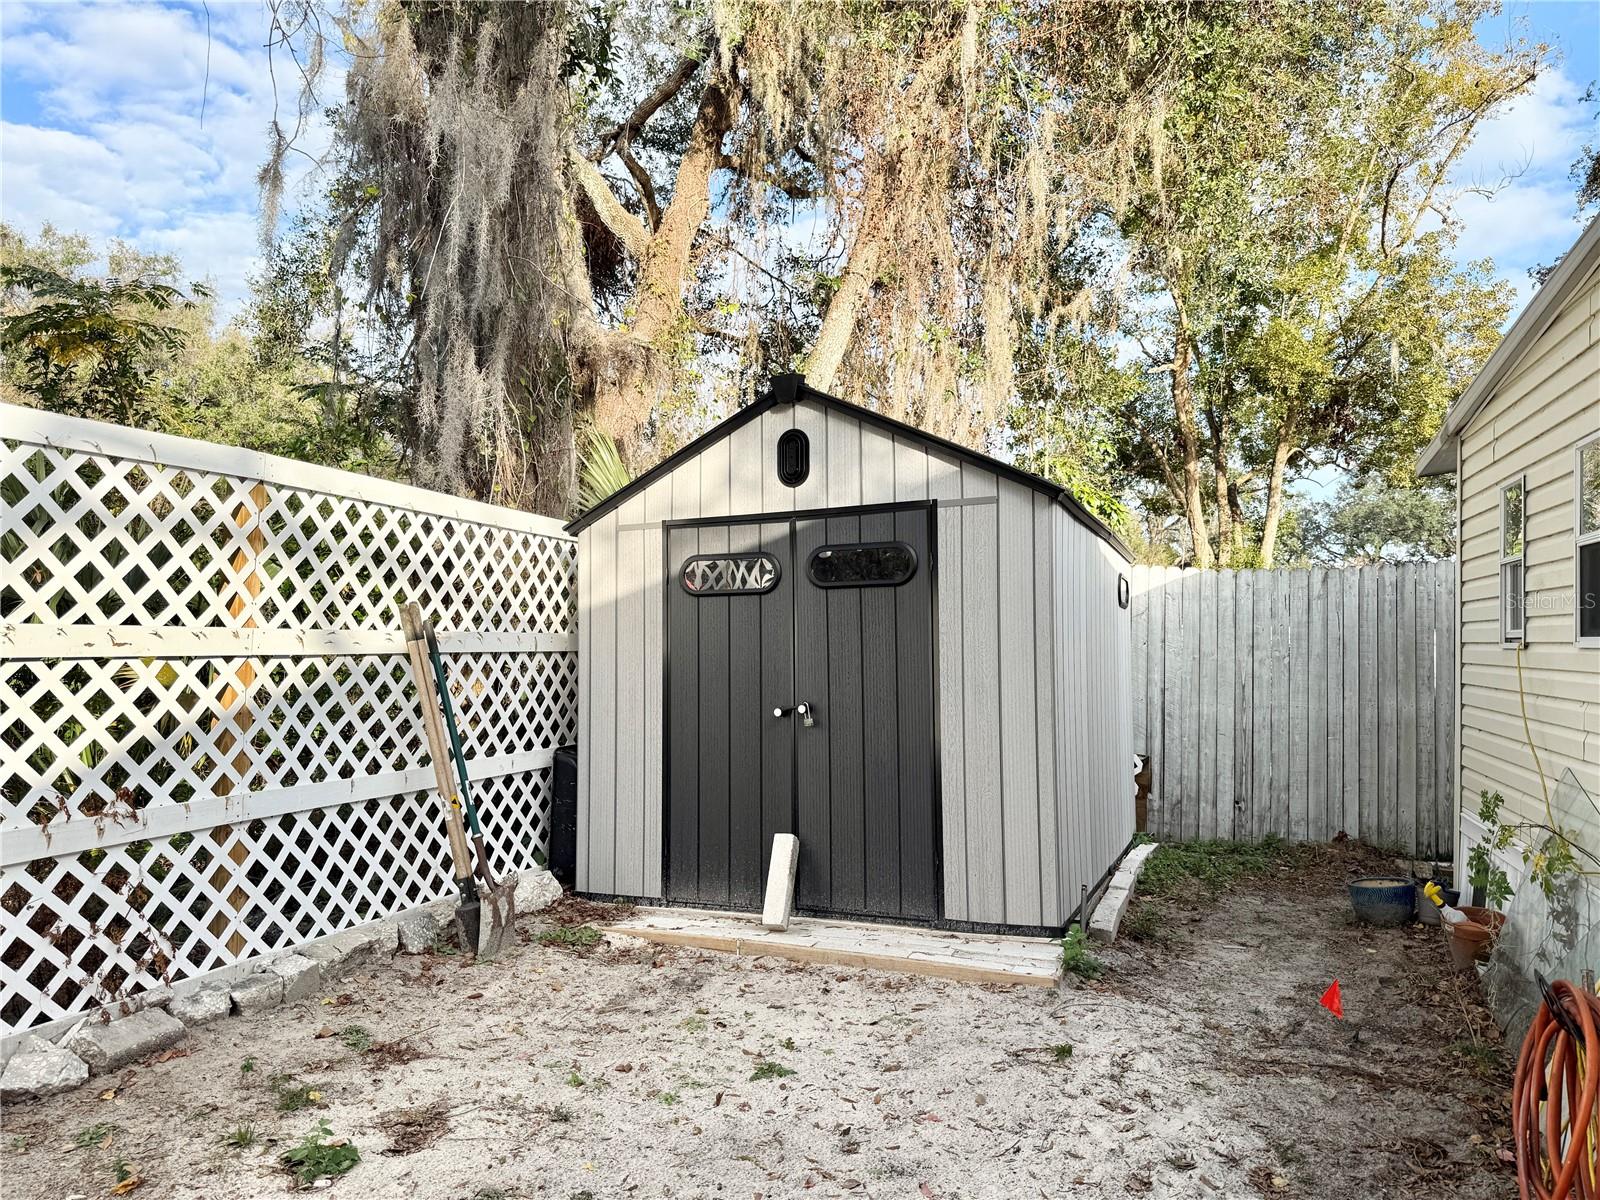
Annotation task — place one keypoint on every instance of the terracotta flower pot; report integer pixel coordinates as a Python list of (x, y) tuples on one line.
[(1471, 941)]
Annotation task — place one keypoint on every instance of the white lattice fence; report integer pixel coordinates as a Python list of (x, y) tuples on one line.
[(210, 746)]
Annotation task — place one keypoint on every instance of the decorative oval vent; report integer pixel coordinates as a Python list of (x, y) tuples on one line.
[(729, 574), (794, 458), (869, 564)]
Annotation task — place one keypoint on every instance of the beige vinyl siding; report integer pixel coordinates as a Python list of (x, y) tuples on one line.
[(1547, 405)]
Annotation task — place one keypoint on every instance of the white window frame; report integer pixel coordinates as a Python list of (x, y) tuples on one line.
[(1579, 540), (1520, 637)]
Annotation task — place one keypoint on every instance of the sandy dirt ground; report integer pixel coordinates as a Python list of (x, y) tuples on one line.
[(1200, 1066)]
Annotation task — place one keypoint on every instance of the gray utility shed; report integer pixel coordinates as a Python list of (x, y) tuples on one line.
[(816, 620)]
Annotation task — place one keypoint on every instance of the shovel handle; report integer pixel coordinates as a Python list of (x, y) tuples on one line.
[(428, 701)]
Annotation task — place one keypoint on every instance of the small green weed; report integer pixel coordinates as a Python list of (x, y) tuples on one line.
[(1483, 1059), (95, 1135), (1061, 1051), (293, 1095), (122, 1170), (558, 1114), (693, 1024), (317, 1157), (241, 1137), (574, 937), (769, 1069), (356, 1038), (1076, 957), (1147, 923), (668, 1098), (574, 1080), (788, 1044), (490, 1193), (247, 1066), (444, 942), (17, 1144)]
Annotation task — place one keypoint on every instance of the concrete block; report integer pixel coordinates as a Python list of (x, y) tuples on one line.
[(41, 1068), (345, 951), (125, 1040), (779, 903), (302, 977), (536, 890), (206, 1003), (257, 993), (1107, 918), (419, 930)]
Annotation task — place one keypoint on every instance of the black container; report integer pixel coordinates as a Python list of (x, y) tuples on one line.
[(563, 862)]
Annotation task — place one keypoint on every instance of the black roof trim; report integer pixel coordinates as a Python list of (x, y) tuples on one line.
[(789, 389)]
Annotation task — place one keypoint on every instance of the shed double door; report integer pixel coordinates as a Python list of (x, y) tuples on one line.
[(805, 707)]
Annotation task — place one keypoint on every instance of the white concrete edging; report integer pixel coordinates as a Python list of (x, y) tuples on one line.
[(1107, 918)]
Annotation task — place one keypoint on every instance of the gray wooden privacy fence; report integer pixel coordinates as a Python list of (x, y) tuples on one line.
[(1298, 703)]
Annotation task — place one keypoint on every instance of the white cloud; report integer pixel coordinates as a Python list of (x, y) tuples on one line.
[(136, 135), (1539, 133)]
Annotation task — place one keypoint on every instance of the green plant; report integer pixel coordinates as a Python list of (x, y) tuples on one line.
[(601, 471), (247, 1066), (1550, 862), (1061, 1051), (241, 1137), (693, 1024), (95, 1135), (1183, 869), (354, 1037), (122, 1170), (1076, 957), (573, 936), (318, 1157), (558, 1114), (293, 1095), (574, 1080), (668, 1098), (768, 1069), (788, 1044)]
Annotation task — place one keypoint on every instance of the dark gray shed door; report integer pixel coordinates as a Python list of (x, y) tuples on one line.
[(750, 631)]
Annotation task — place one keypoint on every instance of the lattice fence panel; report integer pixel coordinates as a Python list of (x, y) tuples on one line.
[(211, 748)]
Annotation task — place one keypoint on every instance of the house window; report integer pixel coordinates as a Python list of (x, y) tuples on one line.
[(871, 564), (1586, 595), (729, 574), (1513, 562)]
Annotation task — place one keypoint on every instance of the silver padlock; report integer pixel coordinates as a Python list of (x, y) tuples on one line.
[(804, 710)]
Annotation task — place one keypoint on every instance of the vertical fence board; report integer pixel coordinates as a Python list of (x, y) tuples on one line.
[(1298, 703)]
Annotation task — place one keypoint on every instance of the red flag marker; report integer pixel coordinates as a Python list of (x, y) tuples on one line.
[(1332, 1000)]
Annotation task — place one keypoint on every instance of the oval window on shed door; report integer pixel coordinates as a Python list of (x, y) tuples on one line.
[(729, 574), (867, 564), (794, 458)]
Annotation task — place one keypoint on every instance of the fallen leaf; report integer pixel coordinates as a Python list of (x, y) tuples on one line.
[(127, 1185), (325, 1032), (110, 1093), (717, 1103), (169, 1055), (1279, 1182), (474, 995), (925, 1190), (623, 1068), (1506, 1155)]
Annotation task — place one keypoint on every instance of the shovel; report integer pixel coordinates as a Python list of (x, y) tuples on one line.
[(483, 939)]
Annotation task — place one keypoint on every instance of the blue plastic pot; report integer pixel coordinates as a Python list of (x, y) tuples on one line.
[(1384, 900)]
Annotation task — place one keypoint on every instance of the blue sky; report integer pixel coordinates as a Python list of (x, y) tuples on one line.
[(102, 131)]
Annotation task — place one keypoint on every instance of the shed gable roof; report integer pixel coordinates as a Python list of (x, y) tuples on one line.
[(790, 389), (1438, 457)]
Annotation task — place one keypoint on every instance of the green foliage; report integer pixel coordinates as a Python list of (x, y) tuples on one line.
[(293, 1095), (601, 471), (1076, 957), (1376, 522), (1552, 854), (241, 1137), (1061, 1051), (247, 1066), (86, 346), (320, 1156), (96, 1134), (355, 1037), (769, 1069), (1185, 870), (574, 937)]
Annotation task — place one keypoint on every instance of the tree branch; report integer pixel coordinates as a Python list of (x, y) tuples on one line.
[(627, 227), (669, 87)]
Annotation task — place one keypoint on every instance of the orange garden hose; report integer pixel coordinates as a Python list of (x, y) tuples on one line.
[(1555, 1101)]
